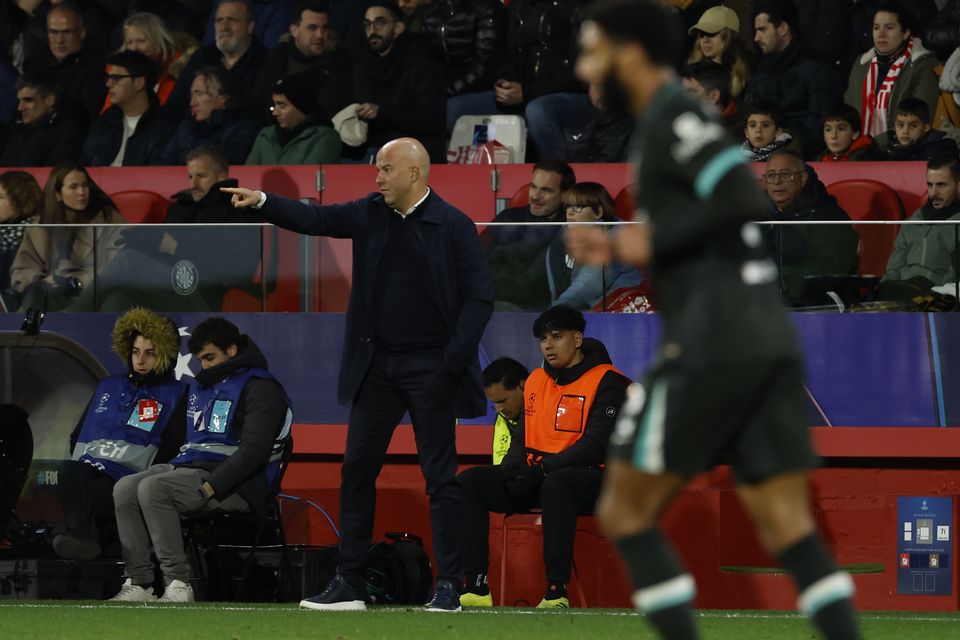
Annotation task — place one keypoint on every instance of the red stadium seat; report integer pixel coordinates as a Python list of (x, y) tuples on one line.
[(623, 204), (141, 206), (521, 197), (870, 200)]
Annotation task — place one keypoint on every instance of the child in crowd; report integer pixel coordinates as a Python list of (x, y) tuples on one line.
[(913, 137), (845, 142), (764, 132)]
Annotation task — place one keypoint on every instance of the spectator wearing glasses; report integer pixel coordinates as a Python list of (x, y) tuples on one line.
[(301, 134), (399, 85), (313, 52), (586, 284), (75, 65), (805, 250), (134, 131)]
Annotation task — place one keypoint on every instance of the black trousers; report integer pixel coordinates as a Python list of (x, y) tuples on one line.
[(86, 495), (563, 495), (395, 384)]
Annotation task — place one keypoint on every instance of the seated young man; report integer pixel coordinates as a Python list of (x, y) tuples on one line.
[(913, 138), (845, 142), (764, 132), (238, 420), (134, 419), (555, 460)]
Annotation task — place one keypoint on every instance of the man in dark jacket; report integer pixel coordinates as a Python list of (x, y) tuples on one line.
[(517, 253), (421, 298), (134, 131), (238, 422), (309, 54), (214, 120), (535, 77), (399, 85), (803, 87), (802, 251), (180, 267), (49, 130), (601, 137), (237, 50), (468, 36), (556, 454), (75, 65)]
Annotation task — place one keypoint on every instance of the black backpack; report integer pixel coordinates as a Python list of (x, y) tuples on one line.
[(398, 571)]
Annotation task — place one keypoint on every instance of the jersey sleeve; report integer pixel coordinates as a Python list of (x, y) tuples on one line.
[(695, 156)]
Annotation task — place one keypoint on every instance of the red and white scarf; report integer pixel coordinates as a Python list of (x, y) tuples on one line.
[(877, 103)]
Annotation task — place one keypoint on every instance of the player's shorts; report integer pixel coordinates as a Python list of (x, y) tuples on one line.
[(749, 415)]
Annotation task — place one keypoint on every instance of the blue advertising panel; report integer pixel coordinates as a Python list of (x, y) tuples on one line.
[(924, 546)]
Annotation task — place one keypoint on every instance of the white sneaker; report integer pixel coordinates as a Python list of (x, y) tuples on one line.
[(177, 591), (130, 592)]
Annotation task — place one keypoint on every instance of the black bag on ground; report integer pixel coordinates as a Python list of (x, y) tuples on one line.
[(399, 571)]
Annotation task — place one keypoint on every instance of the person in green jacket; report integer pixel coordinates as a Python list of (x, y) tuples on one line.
[(503, 384), (897, 67), (297, 137), (924, 255)]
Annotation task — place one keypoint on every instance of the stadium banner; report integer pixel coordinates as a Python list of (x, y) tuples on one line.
[(925, 546), (872, 370)]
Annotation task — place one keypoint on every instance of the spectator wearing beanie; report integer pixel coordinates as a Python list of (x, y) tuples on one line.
[(298, 137)]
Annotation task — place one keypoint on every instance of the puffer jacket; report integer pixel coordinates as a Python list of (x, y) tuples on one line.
[(467, 35), (542, 46)]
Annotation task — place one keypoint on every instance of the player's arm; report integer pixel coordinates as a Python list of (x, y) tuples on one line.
[(698, 157)]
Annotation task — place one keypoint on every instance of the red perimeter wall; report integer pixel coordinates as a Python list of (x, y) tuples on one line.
[(855, 501)]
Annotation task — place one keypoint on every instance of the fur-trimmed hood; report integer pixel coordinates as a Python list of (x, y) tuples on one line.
[(156, 328)]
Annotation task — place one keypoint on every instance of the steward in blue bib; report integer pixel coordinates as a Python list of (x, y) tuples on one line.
[(238, 420), (133, 420)]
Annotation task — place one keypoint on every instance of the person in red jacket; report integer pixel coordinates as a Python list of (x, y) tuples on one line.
[(555, 460), (843, 138)]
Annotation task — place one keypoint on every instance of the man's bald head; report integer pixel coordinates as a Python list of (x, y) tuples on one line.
[(403, 172)]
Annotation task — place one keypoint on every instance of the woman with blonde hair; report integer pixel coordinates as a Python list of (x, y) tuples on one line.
[(718, 39), (55, 264), (146, 33)]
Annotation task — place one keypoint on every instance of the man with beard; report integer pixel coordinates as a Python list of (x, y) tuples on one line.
[(924, 255), (727, 378), (310, 53), (398, 84), (236, 49)]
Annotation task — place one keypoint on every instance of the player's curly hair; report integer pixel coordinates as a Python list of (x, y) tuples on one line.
[(159, 330)]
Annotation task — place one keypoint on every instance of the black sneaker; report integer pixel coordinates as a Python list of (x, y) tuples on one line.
[(445, 598), (338, 596)]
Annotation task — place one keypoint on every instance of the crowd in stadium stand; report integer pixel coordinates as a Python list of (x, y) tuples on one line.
[(96, 83)]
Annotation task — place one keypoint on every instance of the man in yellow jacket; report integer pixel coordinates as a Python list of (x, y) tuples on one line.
[(503, 381), (556, 454)]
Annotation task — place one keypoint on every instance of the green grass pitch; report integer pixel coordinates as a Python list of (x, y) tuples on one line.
[(54, 620)]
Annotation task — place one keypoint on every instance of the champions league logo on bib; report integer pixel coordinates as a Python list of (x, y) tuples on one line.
[(184, 277)]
